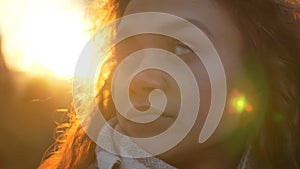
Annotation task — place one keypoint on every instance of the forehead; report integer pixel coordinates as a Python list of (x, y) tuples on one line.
[(206, 12), (171, 6), (227, 38)]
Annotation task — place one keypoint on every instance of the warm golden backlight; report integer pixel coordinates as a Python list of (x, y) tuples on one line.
[(43, 36)]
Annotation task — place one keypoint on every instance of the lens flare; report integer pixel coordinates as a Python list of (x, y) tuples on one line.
[(239, 103)]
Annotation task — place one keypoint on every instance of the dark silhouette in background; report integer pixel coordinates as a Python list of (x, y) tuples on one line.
[(28, 112)]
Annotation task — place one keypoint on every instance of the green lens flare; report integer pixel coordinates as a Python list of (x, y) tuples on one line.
[(239, 103)]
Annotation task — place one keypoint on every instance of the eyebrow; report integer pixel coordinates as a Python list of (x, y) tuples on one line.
[(181, 25)]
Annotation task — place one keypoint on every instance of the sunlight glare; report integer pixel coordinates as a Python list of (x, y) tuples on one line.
[(51, 35)]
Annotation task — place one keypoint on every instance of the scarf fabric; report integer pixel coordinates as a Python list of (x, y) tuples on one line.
[(115, 143), (123, 145)]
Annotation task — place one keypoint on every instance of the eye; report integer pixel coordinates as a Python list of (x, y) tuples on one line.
[(181, 49)]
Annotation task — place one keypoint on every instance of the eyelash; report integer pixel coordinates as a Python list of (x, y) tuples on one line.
[(176, 47)]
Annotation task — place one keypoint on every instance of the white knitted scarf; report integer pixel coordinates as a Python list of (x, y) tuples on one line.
[(116, 144)]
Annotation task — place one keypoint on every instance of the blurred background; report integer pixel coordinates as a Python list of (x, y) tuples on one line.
[(40, 41)]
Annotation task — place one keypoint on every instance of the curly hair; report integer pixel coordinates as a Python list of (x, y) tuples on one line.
[(271, 30)]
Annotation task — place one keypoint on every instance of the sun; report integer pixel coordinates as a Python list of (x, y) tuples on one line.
[(51, 35)]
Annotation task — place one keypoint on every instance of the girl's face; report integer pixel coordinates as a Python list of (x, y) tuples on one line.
[(220, 28)]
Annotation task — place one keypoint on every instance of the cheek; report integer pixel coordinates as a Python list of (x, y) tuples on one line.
[(230, 49), (204, 86), (231, 56)]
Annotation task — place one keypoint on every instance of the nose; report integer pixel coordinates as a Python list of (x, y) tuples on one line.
[(141, 86)]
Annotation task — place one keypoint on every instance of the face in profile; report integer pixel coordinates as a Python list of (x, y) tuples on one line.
[(219, 26)]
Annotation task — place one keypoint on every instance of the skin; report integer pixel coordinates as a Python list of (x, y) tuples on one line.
[(220, 28)]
